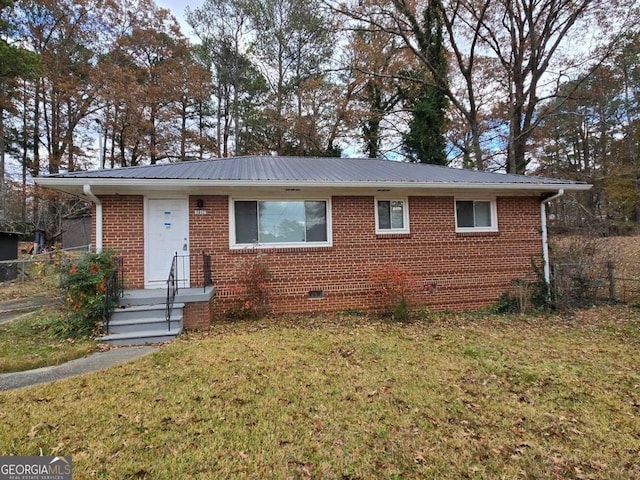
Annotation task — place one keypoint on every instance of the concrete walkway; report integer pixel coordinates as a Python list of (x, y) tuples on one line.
[(91, 363)]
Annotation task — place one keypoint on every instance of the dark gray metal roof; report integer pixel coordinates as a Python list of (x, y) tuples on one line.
[(333, 171)]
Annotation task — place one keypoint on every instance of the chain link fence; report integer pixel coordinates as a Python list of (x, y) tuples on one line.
[(580, 284), (30, 267)]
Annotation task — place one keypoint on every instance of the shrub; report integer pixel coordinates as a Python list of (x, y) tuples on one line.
[(401, 310), (524, 295), (391, 283), (252, 290), (84, 283), (507, 303)]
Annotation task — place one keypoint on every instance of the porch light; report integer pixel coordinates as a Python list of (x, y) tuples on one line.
[(200, 210)]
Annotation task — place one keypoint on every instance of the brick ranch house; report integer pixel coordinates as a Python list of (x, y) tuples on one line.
[(322, 225)]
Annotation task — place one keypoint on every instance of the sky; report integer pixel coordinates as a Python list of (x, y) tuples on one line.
[(177, 8)]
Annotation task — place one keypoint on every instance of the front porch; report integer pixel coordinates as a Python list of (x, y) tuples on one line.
[(154, 315), (143, 316)]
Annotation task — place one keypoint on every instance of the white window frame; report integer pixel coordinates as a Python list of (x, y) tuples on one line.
[(405, 215), (243, 246), (492, 208)]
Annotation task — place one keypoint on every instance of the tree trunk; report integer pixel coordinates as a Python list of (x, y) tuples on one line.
[(25, 153), (183, 130), (475, 142), (69, 139), (35, 167), (2, 153), (153, 137), (219, 121), (201, 127), (372, 136)]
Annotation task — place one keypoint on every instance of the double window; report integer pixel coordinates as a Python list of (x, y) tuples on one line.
[(476, 216), (392, 216), (280, 222)]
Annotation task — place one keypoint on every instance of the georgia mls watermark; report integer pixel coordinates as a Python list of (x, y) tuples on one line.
[(35, 468)]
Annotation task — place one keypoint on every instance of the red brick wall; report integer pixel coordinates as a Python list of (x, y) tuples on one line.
[(448, 270), (197, 315), (468, 270), (123, 232)]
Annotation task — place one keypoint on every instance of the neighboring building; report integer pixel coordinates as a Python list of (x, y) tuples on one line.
[(76, 232), (8, 251), (324, 225)]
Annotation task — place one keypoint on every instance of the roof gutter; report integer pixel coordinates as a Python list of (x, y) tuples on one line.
[(545, 240), (86, 189)]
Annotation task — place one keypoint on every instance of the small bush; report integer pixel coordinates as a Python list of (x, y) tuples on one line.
[(524, 295), (252, 289), (401, 311), (391, 283), (84, 285), (507, 303)]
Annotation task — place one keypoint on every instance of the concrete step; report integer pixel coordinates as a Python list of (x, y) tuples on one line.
[(157, 296), (135, 298), (140, 338), (143, 312), (142, 324), (146, 324)]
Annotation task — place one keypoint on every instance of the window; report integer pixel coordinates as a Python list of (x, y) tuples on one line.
[(280, 222), (476, 215), (392, 216)]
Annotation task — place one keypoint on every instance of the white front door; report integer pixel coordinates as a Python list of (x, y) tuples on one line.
[(166, 233)]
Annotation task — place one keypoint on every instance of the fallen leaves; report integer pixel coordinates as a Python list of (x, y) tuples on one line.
[(371, 400), (38, 428)]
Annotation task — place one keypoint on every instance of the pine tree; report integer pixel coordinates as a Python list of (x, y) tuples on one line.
[(425, 141)]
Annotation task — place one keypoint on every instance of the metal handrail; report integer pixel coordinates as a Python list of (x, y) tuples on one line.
[(187, 273), (174, 279), (113, 289), (172, 289), (206, 271)]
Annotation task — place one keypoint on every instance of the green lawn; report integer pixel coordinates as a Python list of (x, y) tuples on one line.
[(351, 398), (26, 344)]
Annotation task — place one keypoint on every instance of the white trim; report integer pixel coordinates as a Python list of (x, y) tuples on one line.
[(405, 215), (192, 183), (244, 246), (493, 207), (148, 247)]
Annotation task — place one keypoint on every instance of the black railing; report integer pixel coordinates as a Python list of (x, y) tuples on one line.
[(185, 270), (172, 289), (206, 271), (113, 290), (193, 270)]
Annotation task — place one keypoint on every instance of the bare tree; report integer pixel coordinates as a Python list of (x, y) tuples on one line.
[(529, 46)]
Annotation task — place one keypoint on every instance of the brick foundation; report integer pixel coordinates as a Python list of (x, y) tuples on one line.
[(198, 315)]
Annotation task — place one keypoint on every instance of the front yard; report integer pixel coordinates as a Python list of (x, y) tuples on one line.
[(26, 343), (353, 398)]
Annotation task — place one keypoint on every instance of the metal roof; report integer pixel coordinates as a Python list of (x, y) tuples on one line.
[(319, 171)]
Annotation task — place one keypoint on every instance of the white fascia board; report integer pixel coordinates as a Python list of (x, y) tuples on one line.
[(71, 184)]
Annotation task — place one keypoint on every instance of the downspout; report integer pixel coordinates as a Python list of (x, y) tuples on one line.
[(87, 191), (545, 240)]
